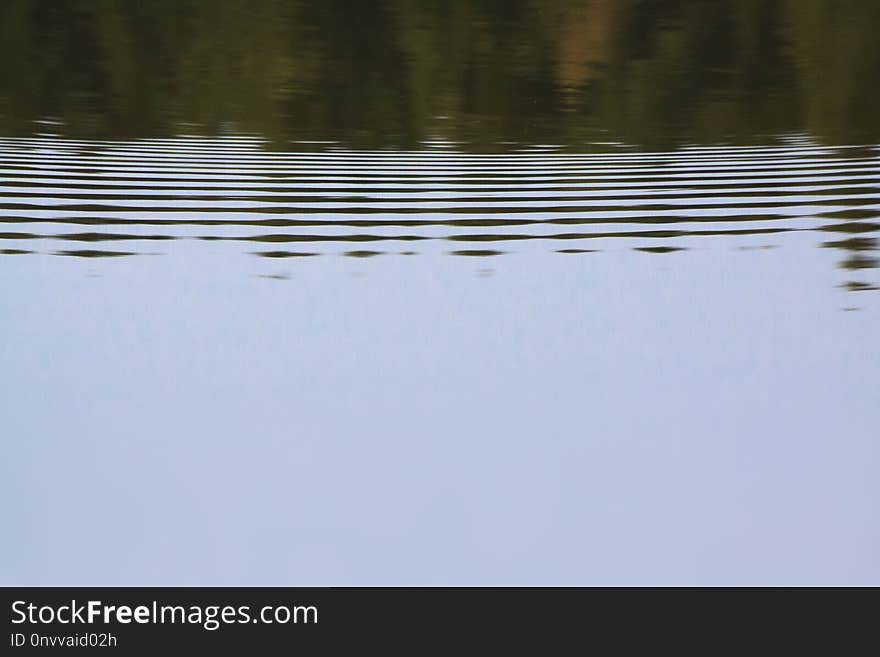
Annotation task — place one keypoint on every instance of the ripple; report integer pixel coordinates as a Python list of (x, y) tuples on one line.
[(160, 189)]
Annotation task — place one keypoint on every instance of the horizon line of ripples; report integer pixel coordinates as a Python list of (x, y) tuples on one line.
[(232, 189)]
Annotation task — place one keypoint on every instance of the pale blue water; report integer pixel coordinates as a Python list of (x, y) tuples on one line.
[(197, 414)]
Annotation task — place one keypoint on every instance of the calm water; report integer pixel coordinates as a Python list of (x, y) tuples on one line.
[(460, 293)]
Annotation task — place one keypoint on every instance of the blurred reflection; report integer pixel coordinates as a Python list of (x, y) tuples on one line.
[(333, 122), (857, 249), (482, 72)]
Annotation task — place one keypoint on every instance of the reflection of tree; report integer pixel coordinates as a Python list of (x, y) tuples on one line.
[(837, 55), (858, 250), (654, 73), (699, 71)]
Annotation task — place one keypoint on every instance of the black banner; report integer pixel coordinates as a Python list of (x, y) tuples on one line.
[(150, 620)]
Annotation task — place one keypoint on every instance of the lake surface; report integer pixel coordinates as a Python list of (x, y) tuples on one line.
[(485, 293)]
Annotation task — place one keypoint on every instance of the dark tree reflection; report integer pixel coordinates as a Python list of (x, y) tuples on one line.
[(396, 73)]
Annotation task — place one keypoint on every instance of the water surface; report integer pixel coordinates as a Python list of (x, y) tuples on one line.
[(517, 293)]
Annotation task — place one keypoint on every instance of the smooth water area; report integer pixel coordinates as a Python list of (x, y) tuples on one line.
[(374, 348)]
